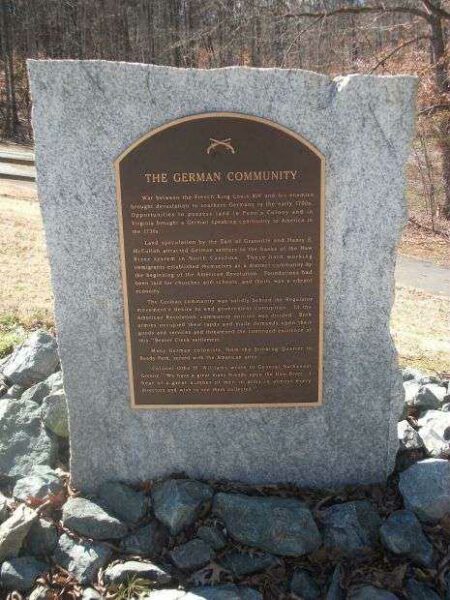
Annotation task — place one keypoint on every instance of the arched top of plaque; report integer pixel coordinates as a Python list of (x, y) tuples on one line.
[(221, 221), (218, 115)]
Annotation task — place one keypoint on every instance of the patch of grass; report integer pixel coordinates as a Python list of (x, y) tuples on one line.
[(133, 589), (11, 334), (420, 324)]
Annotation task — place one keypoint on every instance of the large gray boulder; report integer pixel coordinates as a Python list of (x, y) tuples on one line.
[(24, 441), (402, 534), (33, 361), (425, 488), (178, 502), (91, 520), (124, 502), (351, 528), (148, 540), (281, 526), (81, 559), (21, 573), (42, 482), (55, 415), (122, 572), (192, 555), (14, 530), (435, 432)]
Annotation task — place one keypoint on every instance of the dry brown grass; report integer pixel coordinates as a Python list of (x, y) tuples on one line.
[(420, 321), (420, 327), (425, 245), (25, 293)]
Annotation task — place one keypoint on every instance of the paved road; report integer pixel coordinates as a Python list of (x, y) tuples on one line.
[(423, 275)]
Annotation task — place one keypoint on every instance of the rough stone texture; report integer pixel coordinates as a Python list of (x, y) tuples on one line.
[(303, 585), (351, 528), (42, 482), (430, 396), (124, 502), (40, 390), (42, 538), (192, 555), (4, 508), (24, 442), (402, 533), (85, 113), (88, 518), (21, 573), (122, 572), (81, 559), (369, 592), (177, 502), (420, 591), (283, 526), (408, 437), (425, 488), (14, 530), (335, 591), (244, 563), (146, 541), (54, 413), (435, 432), (33, 361), (212, 536)]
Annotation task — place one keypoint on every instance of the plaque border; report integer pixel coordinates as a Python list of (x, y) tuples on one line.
[(116, 163)]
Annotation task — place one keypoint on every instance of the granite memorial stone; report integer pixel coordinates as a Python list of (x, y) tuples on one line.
[(107, 135)]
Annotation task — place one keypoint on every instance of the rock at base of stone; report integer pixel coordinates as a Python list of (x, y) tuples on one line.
[(178, 502), (192, 555), (24, 441), (81, 559), (33, 361), (21, 573), (351, 527), (417, 590), (244, 563), (14, 530), (281, 526), (425, 488), (87, 518), (402, 534), (124, 502), (42, 538), (369, 592), (148, 540), (303, 585), (55, 415), (122, 572), (43, 482)]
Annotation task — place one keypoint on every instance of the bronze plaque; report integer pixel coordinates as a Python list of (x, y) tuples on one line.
[(221, 227)]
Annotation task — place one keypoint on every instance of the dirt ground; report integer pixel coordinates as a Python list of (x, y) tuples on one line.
[(420, 321)]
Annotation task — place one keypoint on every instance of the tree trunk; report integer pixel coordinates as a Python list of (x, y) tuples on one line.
[(440, 64), (12, 119)]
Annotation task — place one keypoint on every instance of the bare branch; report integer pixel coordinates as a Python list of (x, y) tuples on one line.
[(435, 108), (360, 10), (437, 10), (397, 49)]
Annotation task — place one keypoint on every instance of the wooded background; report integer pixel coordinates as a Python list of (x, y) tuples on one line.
[(329, 36)]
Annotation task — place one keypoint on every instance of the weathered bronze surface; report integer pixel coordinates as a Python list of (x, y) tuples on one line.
[(221, 225)]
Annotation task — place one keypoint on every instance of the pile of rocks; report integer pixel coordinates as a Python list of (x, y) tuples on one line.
[(181, 539)]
